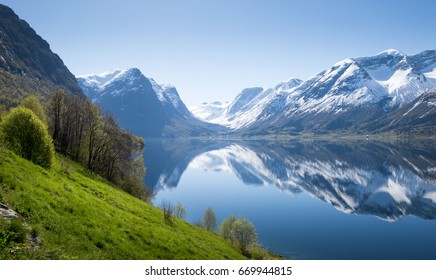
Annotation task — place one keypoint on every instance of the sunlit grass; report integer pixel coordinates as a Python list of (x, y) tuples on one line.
[(77, 215)]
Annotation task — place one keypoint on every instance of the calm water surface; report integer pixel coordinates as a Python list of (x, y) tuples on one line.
[(308, 200)]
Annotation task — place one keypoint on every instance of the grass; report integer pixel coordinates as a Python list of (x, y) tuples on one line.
[(69, 213)]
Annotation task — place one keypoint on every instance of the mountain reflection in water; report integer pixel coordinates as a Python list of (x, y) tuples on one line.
[(359, 178)]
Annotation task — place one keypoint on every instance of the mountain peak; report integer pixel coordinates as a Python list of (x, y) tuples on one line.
[(392, 52), (289, 84), (101, 80), (6, 11), (133, 71)]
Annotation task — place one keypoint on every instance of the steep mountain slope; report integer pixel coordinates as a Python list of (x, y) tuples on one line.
[(26, 60), (419, 116), (141, 105)]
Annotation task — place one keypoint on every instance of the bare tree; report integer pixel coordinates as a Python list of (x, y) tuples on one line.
[(209, 220), (180, 211)]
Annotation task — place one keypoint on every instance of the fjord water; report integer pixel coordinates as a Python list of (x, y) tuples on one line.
[(308, 199)]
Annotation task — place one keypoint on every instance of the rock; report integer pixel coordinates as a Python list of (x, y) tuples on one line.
[(7, 212)]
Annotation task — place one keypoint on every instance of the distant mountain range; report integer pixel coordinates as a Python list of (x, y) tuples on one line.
[(356, 95), (27, 63), (351, 94), (142, 106)]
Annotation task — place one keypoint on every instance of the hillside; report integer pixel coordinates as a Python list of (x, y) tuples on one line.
[(416, 118), (27, 63), (71, 214)]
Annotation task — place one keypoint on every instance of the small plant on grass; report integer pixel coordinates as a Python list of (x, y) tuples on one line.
[(11, 232), (168, 210)]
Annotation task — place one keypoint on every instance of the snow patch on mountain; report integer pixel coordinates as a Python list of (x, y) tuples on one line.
[(101, 80), (209, 112)]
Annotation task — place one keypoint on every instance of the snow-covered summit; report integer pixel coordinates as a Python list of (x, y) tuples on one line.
[(390, 52), (123, 92), (383, 82), (101, 80)]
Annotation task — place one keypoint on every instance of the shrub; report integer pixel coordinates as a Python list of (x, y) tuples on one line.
[(209, 220), (11, 232), (244, 233), (168, 210), (26, 135)]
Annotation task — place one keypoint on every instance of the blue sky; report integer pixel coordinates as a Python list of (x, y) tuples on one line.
[(211, 50)]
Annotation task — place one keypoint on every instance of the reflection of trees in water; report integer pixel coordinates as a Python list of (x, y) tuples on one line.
[(362, 177)]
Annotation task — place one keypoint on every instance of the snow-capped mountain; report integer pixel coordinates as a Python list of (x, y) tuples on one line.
[(351, 92), (242, 111), (356, 90), (140, 104), (209, 112)]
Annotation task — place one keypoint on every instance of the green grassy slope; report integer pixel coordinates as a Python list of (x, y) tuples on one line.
[(76, 215)]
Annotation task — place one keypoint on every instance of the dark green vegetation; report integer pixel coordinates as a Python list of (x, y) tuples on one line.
[(67, 213)]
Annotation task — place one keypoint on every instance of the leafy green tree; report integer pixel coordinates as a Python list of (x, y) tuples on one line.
[(244, 233), (226, 228), (26, 135), (209, 220), (32, 103)]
